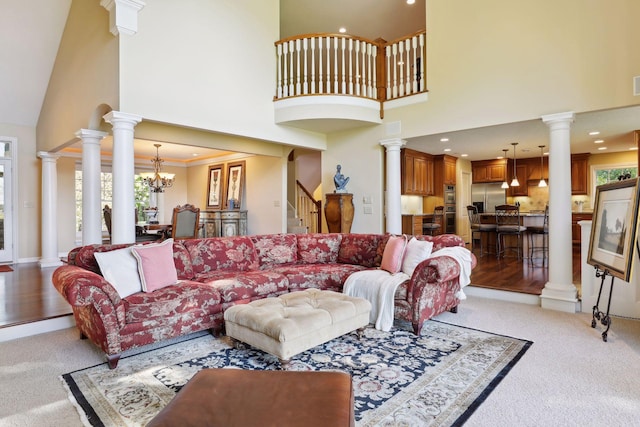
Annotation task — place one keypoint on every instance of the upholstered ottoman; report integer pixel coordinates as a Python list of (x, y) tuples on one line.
[(244, 398), (295, 322)]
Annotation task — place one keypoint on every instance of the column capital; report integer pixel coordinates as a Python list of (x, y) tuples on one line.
[(47, 156), (552, 119), (123, 15), (114, 117), (90, 134), (393, 143)]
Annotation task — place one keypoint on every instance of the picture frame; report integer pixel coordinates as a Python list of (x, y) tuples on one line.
[(235, 185), (215, 187), (614, 228)]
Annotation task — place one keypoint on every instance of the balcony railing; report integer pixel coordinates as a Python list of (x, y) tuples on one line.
[(336, 64)]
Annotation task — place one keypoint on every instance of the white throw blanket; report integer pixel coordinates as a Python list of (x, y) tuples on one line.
[(463, 257), (379, 288)]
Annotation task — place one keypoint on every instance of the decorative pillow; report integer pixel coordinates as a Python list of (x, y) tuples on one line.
[(359, 249), (417, 251), (120, 269), (318, 248), (276, 249), (393, 254), (155, 265)]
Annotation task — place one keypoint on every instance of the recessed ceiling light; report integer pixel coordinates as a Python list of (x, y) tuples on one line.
[(195, 154), (602, 148), (342, 30), (500, 157), (595, 132), (444, 139), (598, 141), (464, 155), (447, 149), (633, 148), (411, 1)]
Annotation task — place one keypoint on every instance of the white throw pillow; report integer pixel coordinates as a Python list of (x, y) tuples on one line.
[(417, 251), (120, 269)]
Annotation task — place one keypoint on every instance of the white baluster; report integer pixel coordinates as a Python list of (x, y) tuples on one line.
[(328, 65), (394, 48), (291, 69), (362, 84), (414, 77), (373, 88), (407, 48), (313, 65), (279, 72), (298, 77), (351, 65), (320, 88), (401, 68), (305, 89), (388, 55), (370, 54), (423, 64), (285, 68), (335, 65)]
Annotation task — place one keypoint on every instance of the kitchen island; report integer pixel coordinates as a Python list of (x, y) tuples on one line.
[(528, 219)]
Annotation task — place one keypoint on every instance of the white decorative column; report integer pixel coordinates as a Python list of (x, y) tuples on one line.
[(559, 292), (123, 227), (394, 204), (49, 210), (91, 207)]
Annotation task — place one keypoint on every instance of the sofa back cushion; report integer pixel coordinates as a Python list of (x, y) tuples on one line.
[(182, 261), (275, 249), (360, 249), (222, 253), (84, 256), (318, 248), (443, 240)]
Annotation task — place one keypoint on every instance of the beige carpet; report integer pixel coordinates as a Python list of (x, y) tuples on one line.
[(568, 377)]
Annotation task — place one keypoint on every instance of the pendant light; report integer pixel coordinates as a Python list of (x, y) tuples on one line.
[(542, 182), (157, 180), (514, 181), (505, 184)]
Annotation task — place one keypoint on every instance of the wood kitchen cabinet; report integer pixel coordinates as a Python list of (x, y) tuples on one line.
[(522, 173), (489, 171), (575, 227), (417, 173), (579, 173), (444, 173)]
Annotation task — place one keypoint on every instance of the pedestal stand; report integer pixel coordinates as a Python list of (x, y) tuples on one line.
[(597, 314), (339, 212)]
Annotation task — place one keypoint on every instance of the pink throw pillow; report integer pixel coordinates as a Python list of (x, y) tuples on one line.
[(393, 254), (155, 265)]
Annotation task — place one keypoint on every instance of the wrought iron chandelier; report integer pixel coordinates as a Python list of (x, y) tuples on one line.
[(157, 180)]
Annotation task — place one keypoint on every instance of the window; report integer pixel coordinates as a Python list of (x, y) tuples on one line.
[(141, 193), (610, 174)]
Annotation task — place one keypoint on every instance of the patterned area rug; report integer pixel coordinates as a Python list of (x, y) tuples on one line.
[(436, 379)]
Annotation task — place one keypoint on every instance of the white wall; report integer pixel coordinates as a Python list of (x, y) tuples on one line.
[(207, 64)]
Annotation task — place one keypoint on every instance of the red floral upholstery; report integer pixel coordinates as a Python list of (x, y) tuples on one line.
[(216, 273)]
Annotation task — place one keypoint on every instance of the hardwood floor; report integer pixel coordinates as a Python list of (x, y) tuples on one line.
[(27, 294)]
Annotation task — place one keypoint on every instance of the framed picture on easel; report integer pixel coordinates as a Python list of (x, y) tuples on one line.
[(235, 185), (614, 226), (215, 185)]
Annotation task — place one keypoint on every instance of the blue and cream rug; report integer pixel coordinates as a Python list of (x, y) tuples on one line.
[(436, 379)]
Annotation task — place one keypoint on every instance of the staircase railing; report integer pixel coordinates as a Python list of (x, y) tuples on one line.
[(337, 64), (308, 209)]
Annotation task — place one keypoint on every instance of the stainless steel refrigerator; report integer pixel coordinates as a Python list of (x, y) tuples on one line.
[(487, 196)]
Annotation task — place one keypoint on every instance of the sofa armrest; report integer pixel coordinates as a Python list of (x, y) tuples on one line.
[(435, 269), (82, 287)]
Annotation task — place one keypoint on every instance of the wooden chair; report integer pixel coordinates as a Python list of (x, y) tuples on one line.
[(185, 222), (141, 236), (106, 213), (433, 227), (509, 223), (478, 228)]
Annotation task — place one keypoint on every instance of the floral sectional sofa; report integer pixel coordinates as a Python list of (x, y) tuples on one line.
[(215, 273)]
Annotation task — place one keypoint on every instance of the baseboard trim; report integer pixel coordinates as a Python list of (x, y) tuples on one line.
[(502, 295), (36, 328)]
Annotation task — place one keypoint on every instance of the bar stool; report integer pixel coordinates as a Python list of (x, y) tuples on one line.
[(436, 223), (542, 231), (478, 228), (508, 223)]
